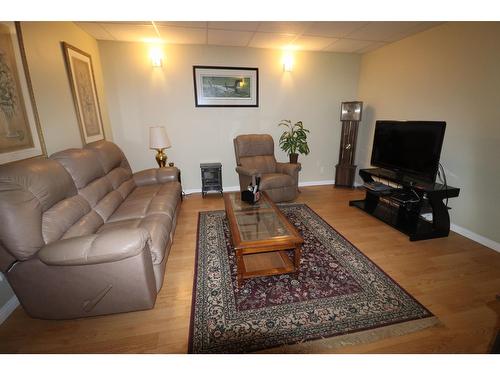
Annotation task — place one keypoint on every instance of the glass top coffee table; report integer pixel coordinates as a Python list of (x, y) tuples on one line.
[(260, 229)]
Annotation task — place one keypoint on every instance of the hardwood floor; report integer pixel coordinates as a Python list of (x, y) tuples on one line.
[(454, 277)]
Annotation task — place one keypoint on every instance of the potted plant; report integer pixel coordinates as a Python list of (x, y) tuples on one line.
[(294, 140)]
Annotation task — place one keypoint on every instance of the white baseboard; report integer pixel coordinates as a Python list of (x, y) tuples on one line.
[(316, 183), (236, 188), (475, 237), (8, 308), (224, 188)]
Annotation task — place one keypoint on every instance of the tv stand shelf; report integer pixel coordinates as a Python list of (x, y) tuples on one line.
[(403, 207)]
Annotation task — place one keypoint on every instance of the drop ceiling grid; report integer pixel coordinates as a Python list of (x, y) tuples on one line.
[(344, 36)]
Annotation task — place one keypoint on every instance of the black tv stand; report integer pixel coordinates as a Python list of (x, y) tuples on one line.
[(407, 206)]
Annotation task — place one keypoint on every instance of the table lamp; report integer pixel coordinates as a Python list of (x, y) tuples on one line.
[(158, 140)]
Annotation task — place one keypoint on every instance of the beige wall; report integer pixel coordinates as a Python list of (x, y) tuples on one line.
[(139, 96), (54, 102), (450, 73)]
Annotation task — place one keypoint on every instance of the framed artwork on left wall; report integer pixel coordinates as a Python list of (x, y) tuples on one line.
[(20, 133), (83, 88)]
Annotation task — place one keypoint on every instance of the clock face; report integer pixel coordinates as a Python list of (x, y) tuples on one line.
[(351, 111)]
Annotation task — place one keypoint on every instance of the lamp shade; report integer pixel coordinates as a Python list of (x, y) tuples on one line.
[(158, 138)]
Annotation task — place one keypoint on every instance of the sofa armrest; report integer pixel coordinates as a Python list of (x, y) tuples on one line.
[(288, 168), (250, 172), (109, 246), (156, 176)]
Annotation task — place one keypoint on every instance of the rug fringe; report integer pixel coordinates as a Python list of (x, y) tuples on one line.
[(356, 338)]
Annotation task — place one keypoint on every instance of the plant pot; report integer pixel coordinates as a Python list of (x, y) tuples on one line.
[(294, 158)]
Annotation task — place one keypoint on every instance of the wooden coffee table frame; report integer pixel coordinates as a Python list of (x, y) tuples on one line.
[(273, 244)]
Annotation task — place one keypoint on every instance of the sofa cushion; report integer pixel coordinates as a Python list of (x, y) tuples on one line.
[(149, 199), (83, 165), (27, 190), (253, 145), (262, 163), (105, 247), (116, 171), (59, 218), (118, 176), (88, 224), (109, 155), (158, 226), (275, 180)]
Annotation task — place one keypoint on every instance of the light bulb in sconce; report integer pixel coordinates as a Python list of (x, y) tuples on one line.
[(287, 62), (156, 56)]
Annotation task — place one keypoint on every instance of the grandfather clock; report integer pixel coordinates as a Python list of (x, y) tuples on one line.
[(345, 170)]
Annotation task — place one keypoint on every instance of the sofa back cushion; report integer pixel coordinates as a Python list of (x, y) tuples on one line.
[(103, 178), (83, 165), (255, 151), (28, 191), (115, 166)]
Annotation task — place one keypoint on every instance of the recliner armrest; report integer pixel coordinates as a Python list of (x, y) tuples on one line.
[(156, 176), (109, 246), (288, 168), (250, 172)]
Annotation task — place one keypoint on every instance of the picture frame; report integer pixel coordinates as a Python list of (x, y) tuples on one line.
[(219, 86), (84, 91), (20, 132)]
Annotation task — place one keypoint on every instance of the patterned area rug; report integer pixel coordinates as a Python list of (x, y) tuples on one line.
[(337, 292)]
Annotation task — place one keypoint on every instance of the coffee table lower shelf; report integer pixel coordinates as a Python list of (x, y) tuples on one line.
[(250, 263)]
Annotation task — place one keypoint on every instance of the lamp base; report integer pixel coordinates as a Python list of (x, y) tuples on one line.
[(161, 157)]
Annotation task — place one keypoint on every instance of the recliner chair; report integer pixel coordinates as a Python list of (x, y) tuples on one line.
[(255, 158)]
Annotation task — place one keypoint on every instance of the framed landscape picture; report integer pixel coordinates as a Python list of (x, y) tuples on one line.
[(216, 86), (81, 78), (20, 132)]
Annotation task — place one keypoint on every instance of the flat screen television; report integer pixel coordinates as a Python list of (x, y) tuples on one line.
[(409, 148)]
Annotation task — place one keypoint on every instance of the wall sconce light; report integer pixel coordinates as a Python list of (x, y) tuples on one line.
[(156, 56), (287, 62)]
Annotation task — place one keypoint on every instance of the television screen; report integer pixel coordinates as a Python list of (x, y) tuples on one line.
[(409, 147)]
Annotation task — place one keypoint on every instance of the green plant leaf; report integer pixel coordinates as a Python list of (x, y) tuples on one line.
[(294, 139)]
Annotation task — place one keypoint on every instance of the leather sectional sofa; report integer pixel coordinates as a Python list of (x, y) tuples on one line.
[(81, 235)]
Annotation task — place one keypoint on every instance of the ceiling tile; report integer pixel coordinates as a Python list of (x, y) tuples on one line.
[(190, 24), (283, 27), (146, 23), (312, 43), (182, 35), (382, 31), (333, 29), (95, 29), (129, 32), (271, 40), (238, 26), (421, 26), (312, 36), (348, 45), (229, 38), (372, 47)]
